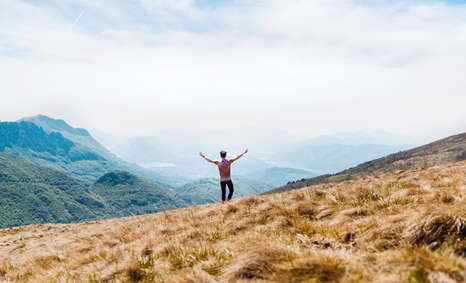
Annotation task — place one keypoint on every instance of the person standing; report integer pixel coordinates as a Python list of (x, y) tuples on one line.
[(224, 168)]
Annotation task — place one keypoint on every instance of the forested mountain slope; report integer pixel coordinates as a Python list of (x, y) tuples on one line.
[(46, 177), (34, 194)]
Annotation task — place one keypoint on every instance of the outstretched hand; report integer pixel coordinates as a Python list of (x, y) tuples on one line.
[(245, 151), (201, 155)]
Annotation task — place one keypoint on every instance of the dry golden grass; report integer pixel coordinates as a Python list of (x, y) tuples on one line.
[(404, 226)]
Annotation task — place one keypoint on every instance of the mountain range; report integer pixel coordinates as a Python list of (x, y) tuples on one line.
[(175, 155), (54, 172)]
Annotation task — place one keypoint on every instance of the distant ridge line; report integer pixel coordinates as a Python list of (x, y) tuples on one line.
[(449, 149)]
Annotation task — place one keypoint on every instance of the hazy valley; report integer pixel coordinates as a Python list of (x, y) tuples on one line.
[(52, 172)]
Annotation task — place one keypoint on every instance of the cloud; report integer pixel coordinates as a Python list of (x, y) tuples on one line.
[(306, 66)]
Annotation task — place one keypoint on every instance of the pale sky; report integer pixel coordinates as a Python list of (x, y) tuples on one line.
[(141, 66)]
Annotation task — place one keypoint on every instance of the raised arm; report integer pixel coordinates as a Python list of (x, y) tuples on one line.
[(207, 159), (239, 156)]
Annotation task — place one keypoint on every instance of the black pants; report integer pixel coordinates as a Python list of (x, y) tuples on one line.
[(223, 185)]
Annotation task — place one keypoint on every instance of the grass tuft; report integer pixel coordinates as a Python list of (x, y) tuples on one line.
[(322, 269), (5, 268), (46, 262), (142, 270), (255, 269), (419, 275), (436, 227)]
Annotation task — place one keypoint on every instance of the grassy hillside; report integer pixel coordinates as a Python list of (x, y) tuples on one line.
[(397, 226)]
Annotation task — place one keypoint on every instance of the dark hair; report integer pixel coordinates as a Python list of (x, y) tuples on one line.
[(223, 154)]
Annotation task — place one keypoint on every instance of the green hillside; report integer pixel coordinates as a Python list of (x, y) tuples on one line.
[(76, 135), (91, 170), (52, 147), (127, 194), (47, 177), (33, 194)]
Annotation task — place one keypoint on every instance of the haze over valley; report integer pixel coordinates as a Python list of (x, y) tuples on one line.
[(152, 175), (177, 154)]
